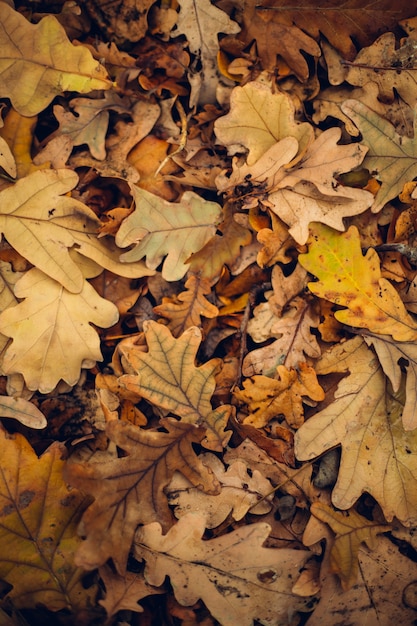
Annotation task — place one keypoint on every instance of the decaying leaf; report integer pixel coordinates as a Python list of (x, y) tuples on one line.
[(350, 279), (38, 528), (123, 593), (23, 411), (365, 419), (38, 62), (130, 490), (351, 531), (237, 578), (239, 493), (51, 331), (295, 342), (159, 228)]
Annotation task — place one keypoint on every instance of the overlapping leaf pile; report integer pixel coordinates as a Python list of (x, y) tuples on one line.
[(208, 313)]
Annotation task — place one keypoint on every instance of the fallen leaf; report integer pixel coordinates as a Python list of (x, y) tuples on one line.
[(39, 62), (238, 579), (186, 309), (391, 158), (38, 526), (129, 490), (351, 531), (51, 331), (258, 119), (160, 228), (365, 419), (124, 592), (239, 493), (23, 411), (352, 280), (267, 398), (295, 342), (201, 22), (385, 55), (167, 376)]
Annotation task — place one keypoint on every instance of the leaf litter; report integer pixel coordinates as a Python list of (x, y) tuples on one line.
[(207, 313)]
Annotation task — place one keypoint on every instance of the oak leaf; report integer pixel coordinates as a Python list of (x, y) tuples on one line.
[(130, 490), (38, 528), (222, 249), (159, 228), (395, 68), (291, 30), (295, 342), (258, 119), (201, 22), (188, 307), (365, 419), (39, 62), (18, 133), (395, 358), (351, 531), (23, 411), (167, 376), (239, 493), (124, 592), (237, 578), (7, 161), (391, 158), (352, 280), (51, 331), (267, 398)]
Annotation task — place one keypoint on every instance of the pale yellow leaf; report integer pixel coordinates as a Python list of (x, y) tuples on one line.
[(51, 331), (238, 579), (365, 419), (38, 62), (163, 229), (258, 119)]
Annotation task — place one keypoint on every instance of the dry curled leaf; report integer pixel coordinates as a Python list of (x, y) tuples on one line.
[(129, 490)]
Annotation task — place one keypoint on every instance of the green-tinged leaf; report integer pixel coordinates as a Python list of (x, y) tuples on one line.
[(38, 62), (392, 158), (164, 229)]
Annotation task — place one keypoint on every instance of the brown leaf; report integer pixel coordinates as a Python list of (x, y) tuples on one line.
[(130, 490)]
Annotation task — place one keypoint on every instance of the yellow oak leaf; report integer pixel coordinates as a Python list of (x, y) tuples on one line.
[(351, 531), (51, 330), (378, 455), (392, 158), (258, 119), (267, 398), (186, 309), (350, 279), (130, 490), (238, 579), (167, 376), (38, 528), (38, 62), (164, 229)]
